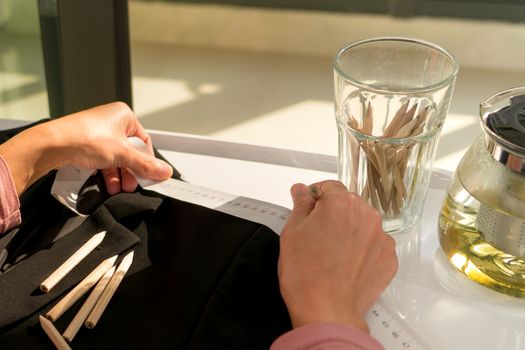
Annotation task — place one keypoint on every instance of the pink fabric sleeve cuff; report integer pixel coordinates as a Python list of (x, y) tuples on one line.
[(9, 203), (326, 336)]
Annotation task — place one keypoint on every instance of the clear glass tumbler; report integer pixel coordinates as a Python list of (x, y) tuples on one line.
[(391, 98)]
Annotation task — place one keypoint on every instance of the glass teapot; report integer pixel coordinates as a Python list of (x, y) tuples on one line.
[(482, 220)]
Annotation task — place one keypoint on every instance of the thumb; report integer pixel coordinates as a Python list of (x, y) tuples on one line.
[(147, 166), (140, 160), (303, 203)]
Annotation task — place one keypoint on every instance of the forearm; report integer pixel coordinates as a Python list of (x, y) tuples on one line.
[(33, 153)]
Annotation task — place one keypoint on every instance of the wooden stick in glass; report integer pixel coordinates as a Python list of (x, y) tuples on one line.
[(80, 289), (73, 261), (53, 334), (108, 292), (87, 307)]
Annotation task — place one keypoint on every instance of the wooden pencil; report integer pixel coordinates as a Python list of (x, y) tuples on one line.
[(108, 292), (73, 261), (87, 307), (53, 334), (80, 289), (387, 163)]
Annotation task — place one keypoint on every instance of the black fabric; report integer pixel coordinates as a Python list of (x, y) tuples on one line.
[(200, 279)]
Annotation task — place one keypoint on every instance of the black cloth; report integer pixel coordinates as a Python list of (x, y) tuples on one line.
[(200, 279)]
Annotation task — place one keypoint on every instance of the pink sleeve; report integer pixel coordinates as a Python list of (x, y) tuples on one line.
[(326, 336), (9, 203)]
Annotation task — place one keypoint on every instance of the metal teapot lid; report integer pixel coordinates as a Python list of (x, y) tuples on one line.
[(505, 131)]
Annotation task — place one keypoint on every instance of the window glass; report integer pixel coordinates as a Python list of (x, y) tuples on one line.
[(22, 79)]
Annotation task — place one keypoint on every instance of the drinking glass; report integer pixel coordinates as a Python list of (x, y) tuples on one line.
[(391, 98)]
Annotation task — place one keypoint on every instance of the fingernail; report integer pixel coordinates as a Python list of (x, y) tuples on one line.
[(113, 186), (299, 190), (314, 191), (164, 169)]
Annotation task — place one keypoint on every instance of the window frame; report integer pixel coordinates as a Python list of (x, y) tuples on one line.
[(86, 53), (501, 10)]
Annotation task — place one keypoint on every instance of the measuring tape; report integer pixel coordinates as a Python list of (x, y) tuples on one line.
[(390, 329), (271, 215), (385, 325)]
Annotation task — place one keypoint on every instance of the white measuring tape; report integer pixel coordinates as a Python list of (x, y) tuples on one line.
[(271, 215), (390, 329)]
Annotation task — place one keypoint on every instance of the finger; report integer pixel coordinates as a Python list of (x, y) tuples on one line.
[(322, 188), (146, 165), (129, 182), (141, 133), (136, 129), (132, 125), (303, 203), (314, 191), (112, 179)]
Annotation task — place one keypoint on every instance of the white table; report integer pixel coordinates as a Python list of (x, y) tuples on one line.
[(440, 304)]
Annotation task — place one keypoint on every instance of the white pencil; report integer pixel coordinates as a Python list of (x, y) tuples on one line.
[(112, 286), (53, 334), (88, 305), (73, 261), (65, 303)]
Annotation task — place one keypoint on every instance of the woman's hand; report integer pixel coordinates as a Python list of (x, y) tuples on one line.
[(96, 138), (335, 258)]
